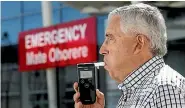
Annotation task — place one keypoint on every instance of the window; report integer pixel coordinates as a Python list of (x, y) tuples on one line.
[(12, 27), (8, 11), (56, 4), (69, 14), (33, 22), (56, 17), (101, 29), (32, 6)]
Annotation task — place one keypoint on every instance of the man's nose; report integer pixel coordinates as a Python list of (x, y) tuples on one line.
[(103, 50)]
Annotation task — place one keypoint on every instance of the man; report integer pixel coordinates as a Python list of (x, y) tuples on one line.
[(133, 49)]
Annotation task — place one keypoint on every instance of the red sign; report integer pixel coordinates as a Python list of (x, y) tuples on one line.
[(60, 45)]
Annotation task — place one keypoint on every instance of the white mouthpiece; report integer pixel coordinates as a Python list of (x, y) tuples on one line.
[(99, 64)]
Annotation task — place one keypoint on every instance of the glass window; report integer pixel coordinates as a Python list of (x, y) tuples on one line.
[(12, 27), (8, 11), (35, 21), (56, 4), (56, 17), (101, 29), (69, 14), (14, 102), (32, 22), (32, 6)]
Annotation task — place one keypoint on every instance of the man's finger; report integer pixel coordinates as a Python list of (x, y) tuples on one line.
[(76, 96), (75, 86), (78, 104), (100, 97), (99, 94)]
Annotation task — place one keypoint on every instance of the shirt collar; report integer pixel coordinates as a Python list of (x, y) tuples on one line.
[(137, 76)]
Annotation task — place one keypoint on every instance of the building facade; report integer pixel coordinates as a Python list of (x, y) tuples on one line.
[(29, 89)]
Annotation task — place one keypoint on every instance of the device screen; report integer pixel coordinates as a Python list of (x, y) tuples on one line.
[(85, 74)]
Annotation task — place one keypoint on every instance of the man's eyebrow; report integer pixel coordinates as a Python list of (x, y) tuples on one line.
[(108, 35)]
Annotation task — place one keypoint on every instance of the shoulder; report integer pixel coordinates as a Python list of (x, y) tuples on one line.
[(167, 96), (169, 77), (169, 89)]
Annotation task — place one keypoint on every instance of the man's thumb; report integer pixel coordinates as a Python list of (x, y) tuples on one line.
[(99, 94)]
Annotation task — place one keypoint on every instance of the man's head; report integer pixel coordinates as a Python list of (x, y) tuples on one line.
[(134, 34)]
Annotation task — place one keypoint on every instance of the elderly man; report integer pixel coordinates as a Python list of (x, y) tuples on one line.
[(133, 54)]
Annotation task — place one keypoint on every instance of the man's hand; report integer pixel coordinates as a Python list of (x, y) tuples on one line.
[(100, 100)]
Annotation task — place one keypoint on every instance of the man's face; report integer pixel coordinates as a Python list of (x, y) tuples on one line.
[(117, 49)]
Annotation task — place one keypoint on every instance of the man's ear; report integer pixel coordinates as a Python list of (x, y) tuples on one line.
[(140, 42)]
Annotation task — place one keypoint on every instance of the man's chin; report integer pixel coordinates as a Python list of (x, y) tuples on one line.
[(113, 77), (105, 67)]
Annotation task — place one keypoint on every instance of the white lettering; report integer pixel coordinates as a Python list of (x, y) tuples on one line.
[(65, 53), (77, 35), (34, 41), (47, 38), (61, 35), (82, 30), (52, 55), (56, 54), (69, 34), (75, 53), (27, 41), (41, 39), (56, 36), (29, 58), (84, 51), (34, 59)]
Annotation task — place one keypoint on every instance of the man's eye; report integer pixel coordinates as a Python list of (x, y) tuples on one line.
[(109, 38)]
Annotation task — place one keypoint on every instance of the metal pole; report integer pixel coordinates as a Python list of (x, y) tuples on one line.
[(7, 97), (8, 89), (58, 88), (50, 73)]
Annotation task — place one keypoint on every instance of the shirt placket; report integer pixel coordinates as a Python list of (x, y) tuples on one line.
[(122, 101)]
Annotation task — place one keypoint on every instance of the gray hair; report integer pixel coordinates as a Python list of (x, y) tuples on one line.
[(147, 20)]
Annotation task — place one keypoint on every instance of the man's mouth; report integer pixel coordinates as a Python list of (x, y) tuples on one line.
[(105, 66)]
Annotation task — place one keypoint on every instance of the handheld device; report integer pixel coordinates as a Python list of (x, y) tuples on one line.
[(87, 82)]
